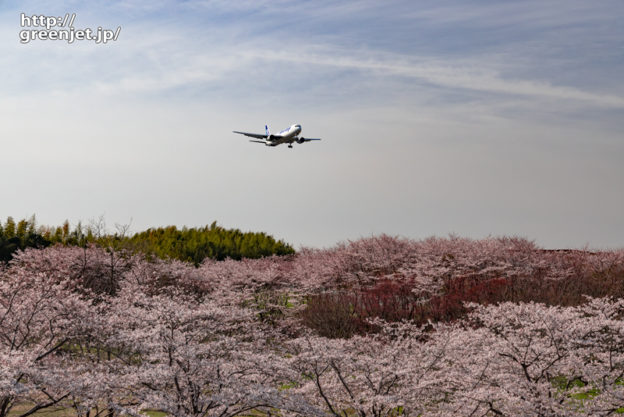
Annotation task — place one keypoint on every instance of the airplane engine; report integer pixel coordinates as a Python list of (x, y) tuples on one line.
[(301, 140)]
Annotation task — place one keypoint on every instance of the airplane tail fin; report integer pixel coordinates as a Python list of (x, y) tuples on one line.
[(266, 130)]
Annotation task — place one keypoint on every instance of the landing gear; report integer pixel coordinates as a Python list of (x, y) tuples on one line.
[(290, 146)]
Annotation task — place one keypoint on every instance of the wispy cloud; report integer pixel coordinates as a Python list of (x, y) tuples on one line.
[(451, 75), (158, 56)]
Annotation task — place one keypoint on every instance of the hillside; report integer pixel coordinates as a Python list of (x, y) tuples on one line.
[(381, 326)]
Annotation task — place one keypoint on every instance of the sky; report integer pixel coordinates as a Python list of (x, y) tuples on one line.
[(471, 118)]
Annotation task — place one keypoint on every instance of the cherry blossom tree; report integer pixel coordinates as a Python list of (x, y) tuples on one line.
[(534, 360), (195, 357), (389, 374), (39, 319)]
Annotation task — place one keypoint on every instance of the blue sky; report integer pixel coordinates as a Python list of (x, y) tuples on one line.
[(475, 118)]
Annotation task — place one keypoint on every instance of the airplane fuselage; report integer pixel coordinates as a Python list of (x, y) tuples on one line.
[(288, 135)]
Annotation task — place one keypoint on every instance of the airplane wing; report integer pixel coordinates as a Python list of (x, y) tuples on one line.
[(308, 139), (253, 135), (257, 141)]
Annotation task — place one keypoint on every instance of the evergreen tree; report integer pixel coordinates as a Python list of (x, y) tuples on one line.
[(9, 228), (186, 244)]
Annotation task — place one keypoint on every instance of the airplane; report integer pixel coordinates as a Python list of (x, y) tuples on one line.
[(288, 136)]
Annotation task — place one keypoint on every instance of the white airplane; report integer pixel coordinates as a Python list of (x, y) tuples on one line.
[(288, 136)]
